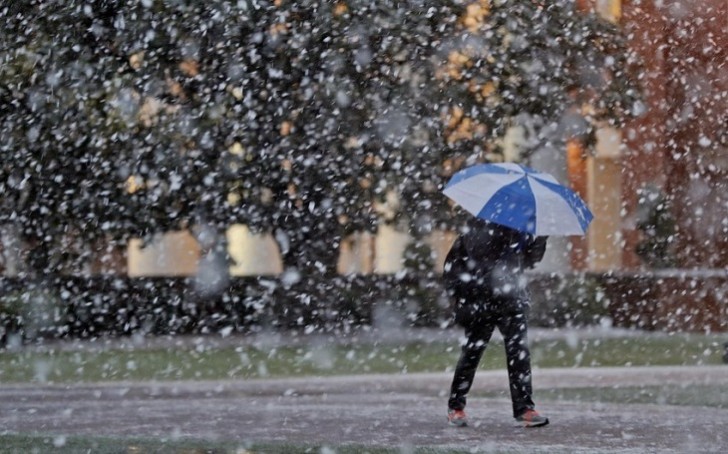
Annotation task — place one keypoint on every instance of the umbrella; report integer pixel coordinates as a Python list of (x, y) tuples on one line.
[(520, 198)]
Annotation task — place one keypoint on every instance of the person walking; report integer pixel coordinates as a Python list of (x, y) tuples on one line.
[(483, 276)]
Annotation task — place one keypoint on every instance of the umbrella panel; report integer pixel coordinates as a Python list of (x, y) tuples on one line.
[(513, 205), (520, 198)]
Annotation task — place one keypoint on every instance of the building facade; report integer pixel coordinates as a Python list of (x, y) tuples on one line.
[(680, 145)]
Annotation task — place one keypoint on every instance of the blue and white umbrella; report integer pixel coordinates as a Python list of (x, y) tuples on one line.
[(521, 198)]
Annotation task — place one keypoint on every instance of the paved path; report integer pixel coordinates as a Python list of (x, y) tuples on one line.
[(376, 410)]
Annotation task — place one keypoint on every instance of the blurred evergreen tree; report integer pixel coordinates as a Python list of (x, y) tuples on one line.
[(299, 118), (499, 63), (61, 126)]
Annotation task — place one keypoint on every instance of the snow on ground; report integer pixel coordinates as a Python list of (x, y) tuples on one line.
[(375, 410), (400, 410)]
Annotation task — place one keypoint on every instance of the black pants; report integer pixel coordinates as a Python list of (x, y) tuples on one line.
[(513, 325)]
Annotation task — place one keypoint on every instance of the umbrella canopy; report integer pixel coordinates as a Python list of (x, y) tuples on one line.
[(520, 198)]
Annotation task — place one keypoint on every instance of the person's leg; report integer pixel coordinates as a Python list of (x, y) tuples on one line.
[(478, 334), (514, 327)]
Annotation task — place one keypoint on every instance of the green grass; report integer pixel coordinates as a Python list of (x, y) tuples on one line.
[(694, 395), (250, 362), (652, 350), (29, 444)]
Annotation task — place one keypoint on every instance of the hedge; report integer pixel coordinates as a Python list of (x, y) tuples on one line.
[(81, 307)]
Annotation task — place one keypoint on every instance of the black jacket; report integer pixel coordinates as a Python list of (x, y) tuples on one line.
[(488, 261)]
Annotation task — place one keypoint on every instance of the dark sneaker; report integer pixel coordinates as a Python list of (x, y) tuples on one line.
[(531, 418), (457, 418)]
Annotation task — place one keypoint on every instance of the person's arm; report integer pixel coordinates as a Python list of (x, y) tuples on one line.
[(535, 251), (485, 242)]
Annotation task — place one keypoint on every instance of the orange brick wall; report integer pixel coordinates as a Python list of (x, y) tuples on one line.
[(680, 144)]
